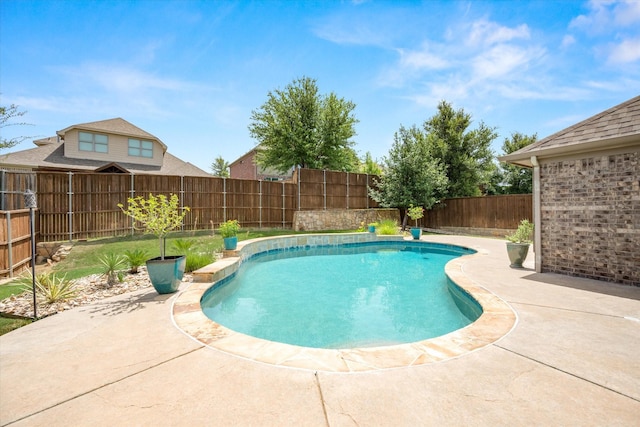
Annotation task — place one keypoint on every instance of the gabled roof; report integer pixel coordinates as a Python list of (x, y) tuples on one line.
[(249, 154), (51, 157), (116, 126), (112, 167), (616, 127)]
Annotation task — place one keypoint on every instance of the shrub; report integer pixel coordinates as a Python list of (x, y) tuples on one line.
[(158, 215), (112, 263), (196, 260), (522, 234), (49, 287), (387, 227), (415, 213), (183, 246), (229, 228), (135, 259)]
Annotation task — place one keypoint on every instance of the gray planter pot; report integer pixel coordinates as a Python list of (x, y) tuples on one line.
[(166, 275), (517, 253)]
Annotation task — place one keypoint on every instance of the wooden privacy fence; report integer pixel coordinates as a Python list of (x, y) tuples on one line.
[(74, 206), (15, 241), (322, 189), (500, 212)]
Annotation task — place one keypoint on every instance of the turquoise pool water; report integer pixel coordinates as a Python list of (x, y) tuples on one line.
[(357, 295)]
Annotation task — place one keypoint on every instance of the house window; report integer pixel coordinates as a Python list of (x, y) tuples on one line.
[(93, 142), (138, 148)]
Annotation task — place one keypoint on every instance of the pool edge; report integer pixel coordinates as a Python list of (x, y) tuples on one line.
[(496, 321)]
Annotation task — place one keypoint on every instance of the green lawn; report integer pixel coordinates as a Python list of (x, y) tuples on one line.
[(84, 258)]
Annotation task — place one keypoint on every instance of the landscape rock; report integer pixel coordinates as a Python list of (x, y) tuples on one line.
[(90, 289)]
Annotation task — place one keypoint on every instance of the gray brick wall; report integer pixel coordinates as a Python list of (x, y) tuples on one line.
[(590, 212)]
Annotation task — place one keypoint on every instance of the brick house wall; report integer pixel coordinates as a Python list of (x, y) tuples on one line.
[(590, 213), (244, 168)]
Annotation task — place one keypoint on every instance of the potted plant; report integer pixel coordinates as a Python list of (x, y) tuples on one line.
[(372, 227), (415, 213), (229, 232), (518, 243), (159, 215)]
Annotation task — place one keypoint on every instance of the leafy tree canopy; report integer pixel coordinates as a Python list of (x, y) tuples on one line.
[(220, 167), (413, 176), (517, 179), (465, 154), (369, 165), (297, 126)]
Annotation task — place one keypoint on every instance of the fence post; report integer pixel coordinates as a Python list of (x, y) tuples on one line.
[(367, 191), (299, 181), (224, 199), (284, 206), (181, 200), (9, 243), (260, 203), (347, 190), (70, 211), (2, 190), (132, 194), (324, 188)]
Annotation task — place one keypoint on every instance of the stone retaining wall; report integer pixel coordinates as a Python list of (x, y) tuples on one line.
[(340, 219)]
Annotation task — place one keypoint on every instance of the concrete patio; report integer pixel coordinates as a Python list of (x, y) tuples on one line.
[(573, 358)]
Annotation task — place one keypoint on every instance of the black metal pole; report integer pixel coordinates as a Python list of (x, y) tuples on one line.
[(31, 203), (33, 264)]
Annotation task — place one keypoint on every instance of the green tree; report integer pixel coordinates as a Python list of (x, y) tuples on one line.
[(413, 176), (370, 166), (516, 179), (466, 154), (6, 115), (297, 126), (220, 167)]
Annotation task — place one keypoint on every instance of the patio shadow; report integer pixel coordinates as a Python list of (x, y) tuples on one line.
[(590, 285), (130, 304)]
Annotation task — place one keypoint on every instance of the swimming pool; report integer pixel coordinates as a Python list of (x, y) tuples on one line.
[(496, 320), (344, 296)]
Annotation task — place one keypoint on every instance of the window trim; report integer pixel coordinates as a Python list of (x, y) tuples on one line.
[(83, 143), (141, 149)]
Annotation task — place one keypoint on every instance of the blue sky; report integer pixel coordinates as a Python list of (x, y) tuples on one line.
[(191, 72)]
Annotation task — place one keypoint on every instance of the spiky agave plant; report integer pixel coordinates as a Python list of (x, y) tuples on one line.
[(135, 258), (50, 287), (112, 263)]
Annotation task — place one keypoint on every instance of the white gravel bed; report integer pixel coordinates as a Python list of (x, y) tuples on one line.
[(90, 289)]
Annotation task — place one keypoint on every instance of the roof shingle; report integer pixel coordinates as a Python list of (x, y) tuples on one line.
[(619, 123)]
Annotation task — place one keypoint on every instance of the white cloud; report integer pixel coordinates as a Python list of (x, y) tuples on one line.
[(503, 60), (126, 79), (568, 40), (487, 33), (627, 12), (112, 90), (605, 16), (612, 19), (422, 59), (625, 52), (619, 85)]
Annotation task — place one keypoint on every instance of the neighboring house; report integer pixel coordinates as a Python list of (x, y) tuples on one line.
[(587, 196), (245, 167), (108, 146)]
